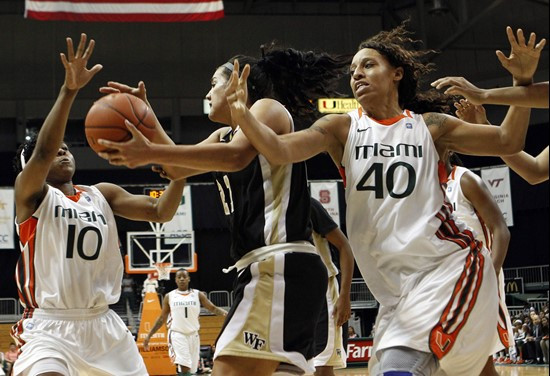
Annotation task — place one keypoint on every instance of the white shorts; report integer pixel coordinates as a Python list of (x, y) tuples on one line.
[(329, 345), (504, 338), (450, 311), (89, 342), (184, 349)]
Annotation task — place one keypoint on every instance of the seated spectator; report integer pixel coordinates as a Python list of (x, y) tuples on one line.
[(544, 339), (351, 332), (10, 357), (519, 339), (536, 335)]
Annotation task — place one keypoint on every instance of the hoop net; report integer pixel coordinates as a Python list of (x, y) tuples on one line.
[(163, 270)]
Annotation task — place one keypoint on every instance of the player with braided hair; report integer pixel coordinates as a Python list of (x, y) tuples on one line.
[(435, 283)]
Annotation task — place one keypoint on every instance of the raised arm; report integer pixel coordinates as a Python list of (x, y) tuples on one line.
[(342, 308), (30, 184), (521, 63), (161, 320), (483, 202), (288, 148), (533, 169), (210, 306)]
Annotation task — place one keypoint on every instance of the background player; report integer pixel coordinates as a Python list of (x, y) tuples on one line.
[(180, 311), (70, 268), (331, 325)]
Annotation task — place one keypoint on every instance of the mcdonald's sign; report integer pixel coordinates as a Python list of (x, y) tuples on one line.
[(513, 286)]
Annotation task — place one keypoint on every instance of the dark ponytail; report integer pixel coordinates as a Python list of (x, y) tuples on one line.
[(294, 78)]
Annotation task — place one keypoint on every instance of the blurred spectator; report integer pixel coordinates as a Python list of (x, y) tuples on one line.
[(151, 284), (544, 339), (10, 357), (351, 332), (519, 338), (128, 292), (536, 335)]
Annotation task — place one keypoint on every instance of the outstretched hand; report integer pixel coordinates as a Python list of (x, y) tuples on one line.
[(524, 57), (236, 91), (116, 87), (470, 113), (461, 86), (76, 73), (132, 153)]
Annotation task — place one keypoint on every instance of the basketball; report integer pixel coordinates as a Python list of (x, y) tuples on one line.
[(105, 119)]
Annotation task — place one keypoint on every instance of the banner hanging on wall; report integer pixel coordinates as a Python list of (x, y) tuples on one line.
[(497, 180), (183, 219), (124, 10), (6, 218), (327, 194)]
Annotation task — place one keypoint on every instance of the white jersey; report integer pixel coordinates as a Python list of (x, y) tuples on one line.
[(397, 218), (463, 208), (185, 308), (465, 212), (70, 257)]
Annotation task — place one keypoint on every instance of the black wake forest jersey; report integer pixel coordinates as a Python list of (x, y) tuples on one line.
[(265, 204)]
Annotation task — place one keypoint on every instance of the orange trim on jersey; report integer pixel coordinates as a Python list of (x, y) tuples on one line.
[(443, 336), (502, 327), (408, 113), (26, 283), (442, 172), (76, 196), (342, 171), (360, 111), (389, 121)]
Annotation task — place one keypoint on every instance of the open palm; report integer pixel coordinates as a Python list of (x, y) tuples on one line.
[(524, 57), (236, 90), (76, 73)]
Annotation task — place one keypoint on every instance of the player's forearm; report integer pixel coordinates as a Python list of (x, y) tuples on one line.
[(527, 167), (264, 139), (346, 269), (158, 324), (501, 239), (53, 130), (534, 95), (170, 200), (219, 311), (513, 130)]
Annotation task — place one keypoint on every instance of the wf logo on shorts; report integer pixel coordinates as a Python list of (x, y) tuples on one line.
[(253, 340)]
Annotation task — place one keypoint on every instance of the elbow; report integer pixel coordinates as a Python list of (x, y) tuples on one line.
[(235, 162), (512, 146)]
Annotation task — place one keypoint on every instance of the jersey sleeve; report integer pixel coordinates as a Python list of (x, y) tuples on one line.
[(321, 221)]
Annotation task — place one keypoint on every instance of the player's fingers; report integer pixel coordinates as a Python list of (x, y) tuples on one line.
[(245, 74), (502, 58), (64, 60), (458, 106), (70, 49), (511, 37), (81, 44), (236, 66), (132, 128), (89, 50), (540, 45), (108, 90), (521, 37), (96, 68)]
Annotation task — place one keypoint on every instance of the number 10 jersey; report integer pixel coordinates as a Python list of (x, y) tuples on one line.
[(70, 257)]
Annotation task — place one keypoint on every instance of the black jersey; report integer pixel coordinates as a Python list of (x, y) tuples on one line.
[(265, 204)]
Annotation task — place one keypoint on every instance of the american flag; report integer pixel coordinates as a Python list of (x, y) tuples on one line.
[(124, 10)]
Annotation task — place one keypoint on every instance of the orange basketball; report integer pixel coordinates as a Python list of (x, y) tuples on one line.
[(105, 119)]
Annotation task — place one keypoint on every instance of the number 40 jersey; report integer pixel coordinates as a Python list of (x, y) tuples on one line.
[(395, 205), (70, 257)]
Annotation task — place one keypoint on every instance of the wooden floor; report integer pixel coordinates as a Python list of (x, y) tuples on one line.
[(502, 370)]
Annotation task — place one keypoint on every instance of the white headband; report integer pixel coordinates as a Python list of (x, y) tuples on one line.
[(22, 156)]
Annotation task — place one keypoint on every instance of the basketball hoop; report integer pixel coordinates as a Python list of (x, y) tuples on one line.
[(163, 270)]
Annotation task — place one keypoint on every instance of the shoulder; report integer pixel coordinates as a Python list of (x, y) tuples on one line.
[(273, 114)]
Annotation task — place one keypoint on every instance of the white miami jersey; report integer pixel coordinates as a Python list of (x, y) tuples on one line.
[(396, 208), (70, 257), (463, 208), (185, 308)]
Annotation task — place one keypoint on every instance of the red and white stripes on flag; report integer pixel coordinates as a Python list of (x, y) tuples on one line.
[(124, 10)]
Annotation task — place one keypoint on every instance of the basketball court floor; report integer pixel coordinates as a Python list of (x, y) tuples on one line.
[(502, 370)]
